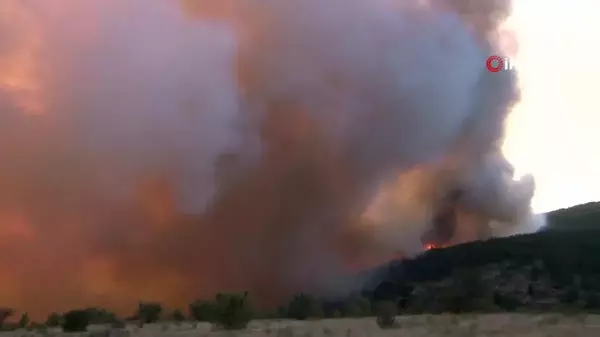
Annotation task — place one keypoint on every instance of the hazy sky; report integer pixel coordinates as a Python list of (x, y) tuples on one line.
[(555, 133)]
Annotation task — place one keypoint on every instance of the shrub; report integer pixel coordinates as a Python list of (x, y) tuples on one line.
[(149, 312), (386, 314), (24, 321), (100, 316), (204, 311), (75, 320), (54, 320), (177, 315), (234, 310), (304, 306), (365, 305)]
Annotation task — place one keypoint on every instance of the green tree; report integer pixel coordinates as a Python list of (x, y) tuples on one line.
[(24, 321), (75, 320), (305, 306), (235, 310), (149, 312)]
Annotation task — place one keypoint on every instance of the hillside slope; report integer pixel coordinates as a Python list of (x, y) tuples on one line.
[(584, 216), (556, 266)]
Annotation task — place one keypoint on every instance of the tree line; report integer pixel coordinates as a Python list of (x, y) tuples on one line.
[(230, 311)]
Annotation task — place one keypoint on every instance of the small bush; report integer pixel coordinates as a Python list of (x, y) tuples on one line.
[(304, 306), (54, 320), (386, 314), (178, 316), (234, 311), (100, 316), (149, 312), (24, 321), (75, 320), (204, 311)]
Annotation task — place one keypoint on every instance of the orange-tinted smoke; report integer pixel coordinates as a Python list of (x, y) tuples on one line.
[(68, 241), (20, 56), (148, 179)]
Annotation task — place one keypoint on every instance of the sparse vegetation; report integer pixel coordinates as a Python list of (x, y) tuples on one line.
[(234, 311), (54, 320), (75, 320), (100, 316), (204, 311), (149, 312), (178, 315), (24, 321), (304, 306)]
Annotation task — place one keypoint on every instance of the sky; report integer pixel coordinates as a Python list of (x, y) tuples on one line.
[(554, 131)]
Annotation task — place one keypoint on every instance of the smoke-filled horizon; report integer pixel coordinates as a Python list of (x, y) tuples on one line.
[(154, 150)]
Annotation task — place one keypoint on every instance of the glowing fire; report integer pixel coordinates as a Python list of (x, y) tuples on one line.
[(430, 246)]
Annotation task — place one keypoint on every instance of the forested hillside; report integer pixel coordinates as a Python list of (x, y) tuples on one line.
[(558, 267), (584, 216)]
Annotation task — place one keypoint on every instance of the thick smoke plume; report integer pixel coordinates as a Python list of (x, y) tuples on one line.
[(153, 149)]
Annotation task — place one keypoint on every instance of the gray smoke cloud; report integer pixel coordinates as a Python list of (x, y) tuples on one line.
[(171, 150)]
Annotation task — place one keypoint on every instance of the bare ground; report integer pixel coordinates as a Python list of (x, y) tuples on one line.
[(547, 325)]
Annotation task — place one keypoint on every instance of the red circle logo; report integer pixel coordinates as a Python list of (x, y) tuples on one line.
[(490, 63)]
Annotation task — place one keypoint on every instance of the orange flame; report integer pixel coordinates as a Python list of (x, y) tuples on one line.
[(430, 246)]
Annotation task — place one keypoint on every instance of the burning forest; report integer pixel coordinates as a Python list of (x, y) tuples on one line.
[(153, 149)]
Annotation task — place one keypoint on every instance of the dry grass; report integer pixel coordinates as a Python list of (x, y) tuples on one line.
[(522, 325)]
